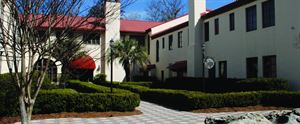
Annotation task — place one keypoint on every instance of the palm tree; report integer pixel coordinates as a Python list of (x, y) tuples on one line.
[(129, 53)]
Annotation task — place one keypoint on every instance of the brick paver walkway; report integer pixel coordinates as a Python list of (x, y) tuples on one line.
[(152, 114)]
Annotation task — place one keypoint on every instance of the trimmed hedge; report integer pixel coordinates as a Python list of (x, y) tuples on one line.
[(100, 78), (69, 100), (86, 87), (223, 85), (191, 100)]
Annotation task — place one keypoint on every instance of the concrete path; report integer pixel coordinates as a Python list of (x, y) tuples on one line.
[(152, 114)]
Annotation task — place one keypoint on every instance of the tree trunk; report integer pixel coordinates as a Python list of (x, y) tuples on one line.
[(29, 112), (127, 70), (24, 116)]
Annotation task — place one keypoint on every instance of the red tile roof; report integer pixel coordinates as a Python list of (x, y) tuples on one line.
[(82, 23), (136, 26)]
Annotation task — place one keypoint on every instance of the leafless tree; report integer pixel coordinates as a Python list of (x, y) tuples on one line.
[(98, 10), (164, 10), (26, 35), (132, 16)]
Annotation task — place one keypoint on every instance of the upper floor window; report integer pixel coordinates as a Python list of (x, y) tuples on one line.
[(217, 27), (171, 42), (251, 18), (163, 43), (91, 39), (148, 44), (231, 22), (180, 40), (268, 13), (206, 31), (157, 51)]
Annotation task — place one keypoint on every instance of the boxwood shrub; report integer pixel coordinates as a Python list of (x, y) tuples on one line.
[(220, 85), (191, 100), (69, 100), (86, 87)]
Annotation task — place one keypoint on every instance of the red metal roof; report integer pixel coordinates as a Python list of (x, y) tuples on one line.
[(92, 23), (136, 26), (84, 62)]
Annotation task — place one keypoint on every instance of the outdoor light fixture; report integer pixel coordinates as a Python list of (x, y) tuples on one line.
[(111, 68)]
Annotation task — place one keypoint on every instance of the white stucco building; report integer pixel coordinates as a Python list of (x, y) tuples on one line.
[(246, 38), (96, 43)]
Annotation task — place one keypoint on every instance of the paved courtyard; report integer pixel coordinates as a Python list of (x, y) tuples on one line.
[(152, 114)]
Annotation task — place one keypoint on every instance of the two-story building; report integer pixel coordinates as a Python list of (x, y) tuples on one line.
[(96, 43), (246, 39)]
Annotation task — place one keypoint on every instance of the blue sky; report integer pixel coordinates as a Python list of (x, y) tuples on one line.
[(140, 6)]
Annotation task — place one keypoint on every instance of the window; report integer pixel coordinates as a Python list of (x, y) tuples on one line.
[(148, 44), (268, 13), (251, 19), (180, 39), (157, 51), (171, 42), (212, 72), (223, 69), (93, 39), (162, 76), (217, 26), (163, 43), (252, 67), (206, 31), (269, 66), (231, 22)]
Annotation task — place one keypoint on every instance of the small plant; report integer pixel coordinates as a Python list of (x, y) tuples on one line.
[(100, 78)]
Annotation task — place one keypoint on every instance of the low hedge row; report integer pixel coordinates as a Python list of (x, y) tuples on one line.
[(68, 100), (191, 100), (223, 85), (86, 87)]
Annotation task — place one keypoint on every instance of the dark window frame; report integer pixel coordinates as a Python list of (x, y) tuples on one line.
[(270, 71), (180, 39), (170, 42), (163, 43), (231, 22), (217, 26), (223, 75), (252, 67), (251, 18), (157, 51), (268, 14), (206, 31), (148, 44)]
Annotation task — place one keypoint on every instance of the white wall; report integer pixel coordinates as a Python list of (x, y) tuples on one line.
[(235, 46), (168, 56)]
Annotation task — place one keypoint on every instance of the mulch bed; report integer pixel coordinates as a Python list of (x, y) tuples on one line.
[(239, 109), (9, 120)]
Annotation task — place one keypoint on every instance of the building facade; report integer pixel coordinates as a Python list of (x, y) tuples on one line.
[(246, 39), (96, 42)]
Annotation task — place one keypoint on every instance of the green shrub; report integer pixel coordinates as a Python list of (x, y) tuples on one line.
[(220, 85), (86, 87), (281, 98), (100, 78), (191, 100), (68, 100), (256, 84)]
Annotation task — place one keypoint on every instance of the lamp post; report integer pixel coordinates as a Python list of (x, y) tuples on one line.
[(1, 52), (111, 64)]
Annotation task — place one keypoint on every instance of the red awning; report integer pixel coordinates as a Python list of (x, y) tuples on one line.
[(150, 67), (180, 66), (84, 62)]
